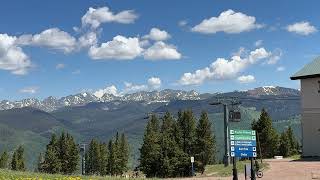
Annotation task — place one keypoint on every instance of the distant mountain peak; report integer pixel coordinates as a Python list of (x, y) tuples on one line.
[(51, 103)]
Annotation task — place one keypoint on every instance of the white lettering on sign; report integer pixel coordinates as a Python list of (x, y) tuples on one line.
[(243, 149)]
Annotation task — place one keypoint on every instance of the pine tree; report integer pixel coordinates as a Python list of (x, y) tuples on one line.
[(294, 144), (284, 148), (205, 143), (93, 158), (72, 155), (52, 163), (111, 158), (40, 163), (17, 162), (267, 135), (103, 159), (124, 153), (14, 161), (4, 160), (169, 148), (150, 152), (186, 123)]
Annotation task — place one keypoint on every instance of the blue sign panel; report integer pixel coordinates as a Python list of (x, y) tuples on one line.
[(243, 154), (243, 143), (243, 148)]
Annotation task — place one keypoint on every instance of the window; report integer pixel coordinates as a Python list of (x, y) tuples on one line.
[(319, 87)]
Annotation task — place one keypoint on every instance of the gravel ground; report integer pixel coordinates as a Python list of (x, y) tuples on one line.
[(283, 169)]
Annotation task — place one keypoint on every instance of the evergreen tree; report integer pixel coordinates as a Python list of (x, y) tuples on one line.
[(52, 163), (72, 155), (93, 158), (294, 144), (169, 148), (267, 135), (124, 153), (4, 160), (150, 152), (14, 161), (187, 125), (17, 162), (111, 158), (40, 163), (284, 148), (103, 159), (205, 143)]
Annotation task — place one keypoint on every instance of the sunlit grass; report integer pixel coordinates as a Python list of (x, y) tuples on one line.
[(15, 175)]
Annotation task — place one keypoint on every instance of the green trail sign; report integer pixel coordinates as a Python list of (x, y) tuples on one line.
[(243, 132), (243, 143)]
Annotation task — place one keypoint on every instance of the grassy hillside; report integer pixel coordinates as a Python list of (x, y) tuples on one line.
[(15, 175)]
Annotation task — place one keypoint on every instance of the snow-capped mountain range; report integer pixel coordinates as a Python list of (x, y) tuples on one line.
[(51, 103)]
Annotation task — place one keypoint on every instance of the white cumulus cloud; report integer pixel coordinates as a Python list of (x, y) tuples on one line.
[(161, 51), (246, 79), (302, 28), (29, 90), (229, 22), (109, 90), (12, 57), (130, 87), (53, 38), (119, 48), (154, 82), (223, 69), (157, 35), (94, 17)]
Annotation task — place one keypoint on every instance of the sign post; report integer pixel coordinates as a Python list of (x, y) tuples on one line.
[(243, 145), (192, 167)]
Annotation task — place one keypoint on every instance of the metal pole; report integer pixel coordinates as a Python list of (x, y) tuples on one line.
[(192, 169), (234, 170), (226, 136), (253, 176)]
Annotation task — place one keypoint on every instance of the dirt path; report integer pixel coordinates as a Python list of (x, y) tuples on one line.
[(284, 169)]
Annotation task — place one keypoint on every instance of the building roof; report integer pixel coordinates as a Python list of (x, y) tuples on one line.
[(310, 70)]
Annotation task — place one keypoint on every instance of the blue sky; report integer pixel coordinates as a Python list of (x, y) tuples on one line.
[(61, 47)]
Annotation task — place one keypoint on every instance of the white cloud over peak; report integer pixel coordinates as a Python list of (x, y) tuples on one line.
[(130, 87), (224, 69), (29, 90), (157, 35), (229, 22), (12, 57), (118, 48), (94, 17), (161, 51), (302, 28), (154, 82), (53, 38), (246, 79), (109, 90)]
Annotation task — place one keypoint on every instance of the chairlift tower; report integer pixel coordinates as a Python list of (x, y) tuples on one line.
[(227, 102)]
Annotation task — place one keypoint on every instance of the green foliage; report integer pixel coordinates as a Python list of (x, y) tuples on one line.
[(166, 151), (205, 143), (284, 148), (150, 152), (289, 146), (4, 158), (17, 162), (61, 156), (112, 159), (267, 135)]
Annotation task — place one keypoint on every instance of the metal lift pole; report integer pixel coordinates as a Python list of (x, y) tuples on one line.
[(226, 136)]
